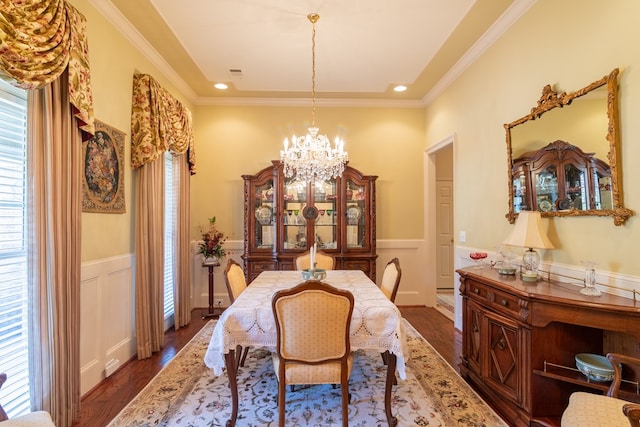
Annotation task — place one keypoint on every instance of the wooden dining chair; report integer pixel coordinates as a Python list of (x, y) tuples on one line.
[(391, 279), (236, 283), (312, 324), (37, 418), (589, 409), (323, 260)]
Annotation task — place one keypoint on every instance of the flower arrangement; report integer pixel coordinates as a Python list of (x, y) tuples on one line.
[(212, 241)]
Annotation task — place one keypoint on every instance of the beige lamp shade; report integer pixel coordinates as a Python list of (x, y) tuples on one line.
[(528, 232)]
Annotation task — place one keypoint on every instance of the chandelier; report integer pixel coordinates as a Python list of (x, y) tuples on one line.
[(311, 157)]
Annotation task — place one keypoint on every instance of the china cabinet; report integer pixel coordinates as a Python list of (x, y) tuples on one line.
[(520, 339), (284, 217), (561, 176)]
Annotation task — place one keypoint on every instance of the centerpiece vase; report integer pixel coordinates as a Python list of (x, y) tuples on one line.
[(211, 260)]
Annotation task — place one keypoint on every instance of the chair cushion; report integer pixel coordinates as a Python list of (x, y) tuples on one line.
[(594, 410), (302, 373), (38, 418)]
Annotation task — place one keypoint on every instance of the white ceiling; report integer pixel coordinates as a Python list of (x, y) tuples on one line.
[(363, 48)]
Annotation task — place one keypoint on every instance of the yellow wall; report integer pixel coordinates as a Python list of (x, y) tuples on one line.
[(569, 44), (113, 61), (234, 141)]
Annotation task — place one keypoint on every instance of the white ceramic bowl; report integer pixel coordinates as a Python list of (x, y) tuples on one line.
[(595, 366)]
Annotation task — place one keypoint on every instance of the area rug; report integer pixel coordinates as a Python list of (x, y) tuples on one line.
[(186, 393)]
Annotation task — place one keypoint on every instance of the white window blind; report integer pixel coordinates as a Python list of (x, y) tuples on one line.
[(14, 394), (169, 235)]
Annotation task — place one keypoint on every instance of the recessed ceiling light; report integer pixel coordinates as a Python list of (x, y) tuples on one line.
[(221, 86), (400, 88)]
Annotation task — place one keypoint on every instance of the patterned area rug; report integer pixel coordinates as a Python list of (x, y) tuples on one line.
[(185, 393)]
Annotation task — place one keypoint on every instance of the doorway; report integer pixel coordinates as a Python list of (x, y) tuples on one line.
[(439, 199)]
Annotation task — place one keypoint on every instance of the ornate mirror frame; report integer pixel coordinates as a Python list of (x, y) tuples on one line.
[(551, 99)]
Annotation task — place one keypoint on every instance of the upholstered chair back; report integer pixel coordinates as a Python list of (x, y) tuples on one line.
[(323, 260), (312, 324), (391, 279), (234, 279)]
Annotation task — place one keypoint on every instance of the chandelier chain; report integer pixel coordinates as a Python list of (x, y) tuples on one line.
[(312, 158), (313, 73)]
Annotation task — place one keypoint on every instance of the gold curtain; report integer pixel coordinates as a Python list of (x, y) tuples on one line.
[(159, 123), (55, 199), (182, 265), (39, 40), (149, 301)]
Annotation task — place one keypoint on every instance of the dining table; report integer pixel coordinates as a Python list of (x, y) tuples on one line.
[(376, 324)]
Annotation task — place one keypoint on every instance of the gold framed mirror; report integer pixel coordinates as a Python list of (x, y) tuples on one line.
[(562, 157)]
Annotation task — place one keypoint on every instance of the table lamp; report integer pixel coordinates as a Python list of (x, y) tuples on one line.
[(528, 233)]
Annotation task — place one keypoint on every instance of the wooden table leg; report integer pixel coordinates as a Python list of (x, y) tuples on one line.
[(232, 373), (391, 360)]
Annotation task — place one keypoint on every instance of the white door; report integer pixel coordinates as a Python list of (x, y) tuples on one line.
[(444, 233)]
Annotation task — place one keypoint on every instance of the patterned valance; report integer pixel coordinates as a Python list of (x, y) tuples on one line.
[(39, 40), (159, 122)]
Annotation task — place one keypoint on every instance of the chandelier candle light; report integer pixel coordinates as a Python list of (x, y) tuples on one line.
[(311, 157)]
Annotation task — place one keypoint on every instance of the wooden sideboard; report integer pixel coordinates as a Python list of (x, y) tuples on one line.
[(520, 340)]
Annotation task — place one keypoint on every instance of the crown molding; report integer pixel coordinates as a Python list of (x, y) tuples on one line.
[(306, 102), (506, 20), (122, 24)]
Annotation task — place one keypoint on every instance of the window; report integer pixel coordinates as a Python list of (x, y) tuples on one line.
[(169, 237), (14, 394)]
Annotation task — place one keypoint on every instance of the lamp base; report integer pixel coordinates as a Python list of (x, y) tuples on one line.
[(530, 261)]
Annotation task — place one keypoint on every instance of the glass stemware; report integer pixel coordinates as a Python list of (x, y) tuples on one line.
[(330, 215), (478, 257), (321, 212), (589, 279)]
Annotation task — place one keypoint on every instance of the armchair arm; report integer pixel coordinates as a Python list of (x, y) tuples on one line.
[(617, 360), (632, 412)]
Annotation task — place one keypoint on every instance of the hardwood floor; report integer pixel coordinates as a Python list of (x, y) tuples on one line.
[(103, 403)]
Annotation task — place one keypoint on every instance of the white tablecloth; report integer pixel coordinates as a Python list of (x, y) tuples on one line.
[(376, 323)]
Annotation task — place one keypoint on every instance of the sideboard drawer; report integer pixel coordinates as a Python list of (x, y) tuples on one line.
[(492, 298)]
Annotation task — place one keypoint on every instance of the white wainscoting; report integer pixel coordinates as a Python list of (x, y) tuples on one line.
[(200, 275), (106, 317), (107, 330), (412, 291)]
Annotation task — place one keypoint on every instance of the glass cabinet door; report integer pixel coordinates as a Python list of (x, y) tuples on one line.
[(326, 227), (264, 216), (520, 196), (546, 189), (603, 196), (295, 225), (356, 231), (575, 185)]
